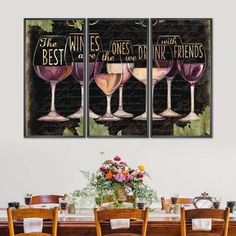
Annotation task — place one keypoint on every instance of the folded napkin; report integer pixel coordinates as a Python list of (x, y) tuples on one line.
[(33, 225), (120, 223), (201, 224)]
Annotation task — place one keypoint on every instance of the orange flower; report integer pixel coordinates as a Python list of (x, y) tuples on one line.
[(109, 175), (141, 168), (124, 172)]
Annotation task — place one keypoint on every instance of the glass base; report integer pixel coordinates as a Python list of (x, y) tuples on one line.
[(108, 117), (53, 116), (169, 113), (157, 117), (190, 117), (78, 114), (93, 115), (141, 117), (122, 114)]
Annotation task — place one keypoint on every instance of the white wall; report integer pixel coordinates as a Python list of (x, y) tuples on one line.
[(187, 166)]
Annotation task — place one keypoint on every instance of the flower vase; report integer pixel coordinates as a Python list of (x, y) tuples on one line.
[(120, 194)]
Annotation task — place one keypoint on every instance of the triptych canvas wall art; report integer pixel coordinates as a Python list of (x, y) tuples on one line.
[(118, 78)]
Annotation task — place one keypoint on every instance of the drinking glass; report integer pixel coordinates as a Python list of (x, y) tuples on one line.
[(171, 74), (141, 74), (231, 205), (108, 82), (76, 44), (191, 70), (28, 199), (126, 73), (53, 63), (63, 205), (13, 205), (216, 202), (174, 198), (78, 74), (164, 63)]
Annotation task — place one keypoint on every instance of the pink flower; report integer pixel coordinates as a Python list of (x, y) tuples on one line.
[(140, 175), (103, 169), (120, 177), (123, 163), (128, 177), (117, 158)]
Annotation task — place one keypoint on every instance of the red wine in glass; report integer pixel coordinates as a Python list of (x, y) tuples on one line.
[(174, 200), (168, 112), (163, 67), (191, 72), (53, 63), (53, 73), (28, 199)]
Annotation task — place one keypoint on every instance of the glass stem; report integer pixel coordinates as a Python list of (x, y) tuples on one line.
[(53, 88), (121, 97), (153, 86), (108, 105), (169, 94), (192, 98), (82, 95)]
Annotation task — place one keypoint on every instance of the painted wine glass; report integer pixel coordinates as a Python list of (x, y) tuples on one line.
[(76, 44), (53, 63), (108, 82), (124, 49), (139, 70), (164, 62), (192, 70), (170, 40)]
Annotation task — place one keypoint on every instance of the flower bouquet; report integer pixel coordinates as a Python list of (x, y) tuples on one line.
[(115, 181)]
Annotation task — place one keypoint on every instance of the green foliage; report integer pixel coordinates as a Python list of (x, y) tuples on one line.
[(94, 129), (97, 129), (146, 193), (199, 127), (67, 132), (45, 25), (119, 133), (80, 128), (77, 24)]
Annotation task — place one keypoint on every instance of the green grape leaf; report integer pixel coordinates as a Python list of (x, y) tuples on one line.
[(207, 114), (67, 132), (79, 24), (199, 127), (94, 129), (119, 133), (80, 128), (45, 25), (97, 129)]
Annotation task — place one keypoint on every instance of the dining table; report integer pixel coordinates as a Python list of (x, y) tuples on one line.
[(82, 224)]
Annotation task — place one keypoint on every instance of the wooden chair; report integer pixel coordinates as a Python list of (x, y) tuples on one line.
[(51, 214), (46, 199), (219, 214), (133, 214), (181, 201)]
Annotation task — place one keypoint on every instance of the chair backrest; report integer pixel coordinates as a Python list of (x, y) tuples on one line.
[(45, 199), (181, 201), (51, 214), (219, 214), (108, 214)]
